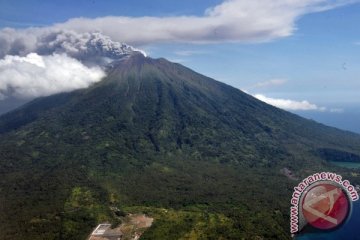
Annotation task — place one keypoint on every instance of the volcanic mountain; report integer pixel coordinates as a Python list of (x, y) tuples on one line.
[(201, 157)]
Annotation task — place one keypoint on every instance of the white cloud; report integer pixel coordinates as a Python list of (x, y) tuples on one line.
[(186, 53), (288, 104), (178, 60), (336, 110), (35, 75), (230, 21), (269, 83)]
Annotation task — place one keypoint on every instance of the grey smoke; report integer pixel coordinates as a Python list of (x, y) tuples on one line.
[(90, 48), (39, 62), (86, 47)]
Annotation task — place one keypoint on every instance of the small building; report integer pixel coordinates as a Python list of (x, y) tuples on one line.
[(104, 232)]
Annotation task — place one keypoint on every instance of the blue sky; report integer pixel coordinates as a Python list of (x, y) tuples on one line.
[(318, 61), (20, 13)]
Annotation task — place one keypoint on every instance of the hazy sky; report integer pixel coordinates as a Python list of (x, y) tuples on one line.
[(300, 55)]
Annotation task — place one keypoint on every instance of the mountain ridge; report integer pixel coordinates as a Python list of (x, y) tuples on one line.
[(153, 134)]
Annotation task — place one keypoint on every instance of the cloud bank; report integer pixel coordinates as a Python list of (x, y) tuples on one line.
[(269, 83), (35, 75), (230, 21), (288, 104)]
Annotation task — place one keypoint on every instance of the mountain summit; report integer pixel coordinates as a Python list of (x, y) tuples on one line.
[(200, 156)]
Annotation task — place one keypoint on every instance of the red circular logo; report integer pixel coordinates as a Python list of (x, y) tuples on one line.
[(325, 206)]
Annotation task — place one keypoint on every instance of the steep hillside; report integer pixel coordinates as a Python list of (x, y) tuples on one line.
[(154, 135)]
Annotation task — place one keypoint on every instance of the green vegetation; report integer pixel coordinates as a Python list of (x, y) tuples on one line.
[(199, 156), (187, 224), (80, 209)]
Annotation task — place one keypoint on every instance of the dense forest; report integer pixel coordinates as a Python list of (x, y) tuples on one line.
[(202, 158)]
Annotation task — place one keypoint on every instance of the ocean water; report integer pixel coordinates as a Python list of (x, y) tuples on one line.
[(348, 119), (350, 165)]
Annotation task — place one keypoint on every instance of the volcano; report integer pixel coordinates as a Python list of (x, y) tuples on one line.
[(203, 158)]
